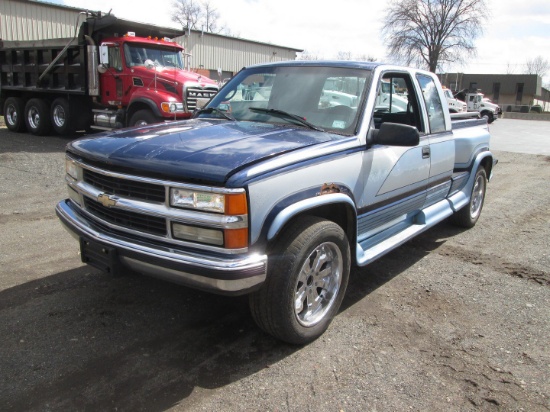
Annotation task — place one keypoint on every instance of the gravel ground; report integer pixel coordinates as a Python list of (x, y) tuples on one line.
[(453, 320)]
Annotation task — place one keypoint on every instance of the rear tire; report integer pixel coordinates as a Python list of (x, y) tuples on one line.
[(37, 117), (62, 116), (468, 216), (13, 114), (142, 118), (308, 273)]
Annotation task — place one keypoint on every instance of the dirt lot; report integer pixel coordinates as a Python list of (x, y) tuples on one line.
[(453, 320)]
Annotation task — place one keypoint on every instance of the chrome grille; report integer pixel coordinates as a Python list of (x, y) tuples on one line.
[(130, 220), (125, 188), (194, 93)]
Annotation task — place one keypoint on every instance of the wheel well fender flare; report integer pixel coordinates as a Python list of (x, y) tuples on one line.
[(140, 103), (486, 160), (305, 205), (483, 159)]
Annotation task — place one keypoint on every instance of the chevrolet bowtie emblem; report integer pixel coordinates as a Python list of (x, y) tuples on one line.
[(106, 200)]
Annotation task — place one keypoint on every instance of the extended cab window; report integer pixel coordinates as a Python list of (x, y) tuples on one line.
[(434, 107), (327, 98)]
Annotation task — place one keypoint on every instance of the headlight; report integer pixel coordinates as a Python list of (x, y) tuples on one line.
[(232, 205), (171, 107), (229, 204), (189, 199), (71, 168)]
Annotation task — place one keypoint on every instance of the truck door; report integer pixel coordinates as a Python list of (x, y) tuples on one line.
[(474, 102), (112, 79), (396, 178), (441, 142)]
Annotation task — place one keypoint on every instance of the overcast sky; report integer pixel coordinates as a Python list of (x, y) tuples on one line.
[(517, 30)]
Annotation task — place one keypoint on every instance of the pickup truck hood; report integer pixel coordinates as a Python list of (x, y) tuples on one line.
[(199, 151)]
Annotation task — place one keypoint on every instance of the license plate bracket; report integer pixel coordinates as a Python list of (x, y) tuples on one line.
[(100, 256)]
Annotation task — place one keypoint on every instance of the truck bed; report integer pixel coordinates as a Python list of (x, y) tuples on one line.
[(23, 62)]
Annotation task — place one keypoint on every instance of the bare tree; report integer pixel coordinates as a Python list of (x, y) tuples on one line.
[(307, 55), (538, 65), (210, 17), (433, 31), (366, 58), (226, 31), (511, 68), (344, 55), (187, 13), (196, 15)]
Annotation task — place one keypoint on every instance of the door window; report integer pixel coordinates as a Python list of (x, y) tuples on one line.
[(115, 60), (396, 101)]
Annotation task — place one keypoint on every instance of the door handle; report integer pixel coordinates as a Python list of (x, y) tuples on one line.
[(425, 152)]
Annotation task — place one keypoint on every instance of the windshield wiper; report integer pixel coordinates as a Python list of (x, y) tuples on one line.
[(282, 113), (209, 110)]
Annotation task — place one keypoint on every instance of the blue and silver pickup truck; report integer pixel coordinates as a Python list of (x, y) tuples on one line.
[(292, 174)]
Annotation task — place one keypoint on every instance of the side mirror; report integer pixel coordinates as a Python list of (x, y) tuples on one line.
[(396, 134), (104, 54), (149, 64)]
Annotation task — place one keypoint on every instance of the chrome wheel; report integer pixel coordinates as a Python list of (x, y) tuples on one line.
[(318, 284), (33, 117), (37, 116), (59, 116), (478, 194), (469, 214), (11, 115)]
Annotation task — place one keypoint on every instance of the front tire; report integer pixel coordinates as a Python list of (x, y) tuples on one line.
[(37, 117), (488, 116), (468, 216), (142, 118), (306, 282), (13, 114)]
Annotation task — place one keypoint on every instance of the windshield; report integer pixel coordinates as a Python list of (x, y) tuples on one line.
[(136, 54), (327, 98)]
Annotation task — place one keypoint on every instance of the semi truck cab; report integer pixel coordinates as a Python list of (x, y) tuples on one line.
[(148, 77)]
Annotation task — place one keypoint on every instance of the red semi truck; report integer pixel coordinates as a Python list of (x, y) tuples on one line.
[(113, 73)]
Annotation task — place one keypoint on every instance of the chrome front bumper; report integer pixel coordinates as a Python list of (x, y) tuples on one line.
[(234, 275)]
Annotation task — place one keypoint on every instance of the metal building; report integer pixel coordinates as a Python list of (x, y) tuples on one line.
[(212, 51), (31, 20), (512, 92), (35, 20)]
